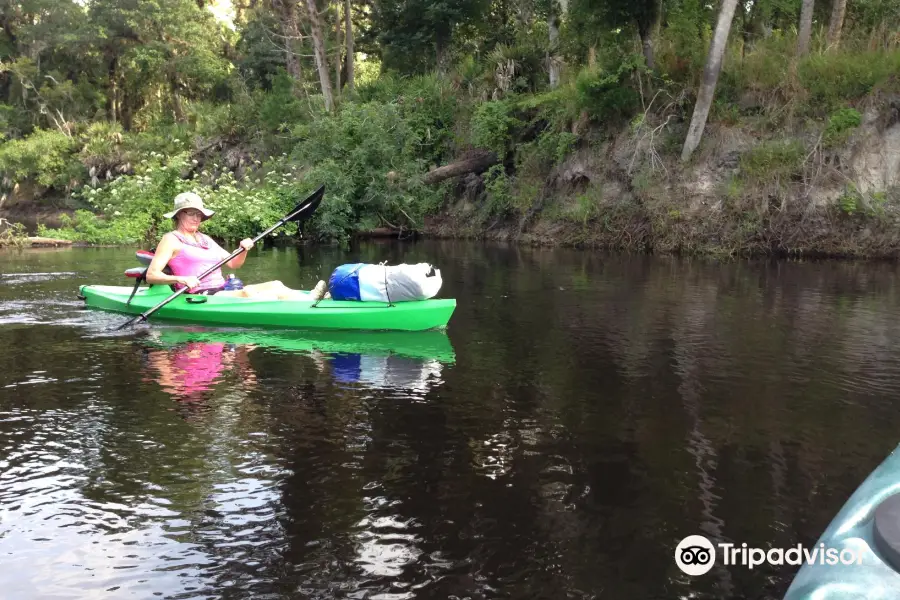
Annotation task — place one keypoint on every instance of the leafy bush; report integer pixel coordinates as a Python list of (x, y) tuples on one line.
[(133, 206), (499, 191), (370, 159), (45, 157), (13, 121), (544, 153), (102, 145), (607, 95), (12, 234), (280, 108), (492, 126), (840, 125)]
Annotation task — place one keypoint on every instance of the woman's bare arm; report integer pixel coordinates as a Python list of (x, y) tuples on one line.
[(164, 253)]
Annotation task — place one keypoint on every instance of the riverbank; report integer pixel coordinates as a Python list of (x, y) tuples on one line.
[(745, 194), (806, 169)]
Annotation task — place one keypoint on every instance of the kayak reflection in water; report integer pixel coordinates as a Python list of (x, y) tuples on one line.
[(188, 253), (414, 375), (190, 373)]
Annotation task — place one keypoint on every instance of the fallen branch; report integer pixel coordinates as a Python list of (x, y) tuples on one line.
[(474, 164), (43, 241)]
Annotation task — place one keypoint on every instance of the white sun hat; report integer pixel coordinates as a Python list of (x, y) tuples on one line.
[(189, 200)]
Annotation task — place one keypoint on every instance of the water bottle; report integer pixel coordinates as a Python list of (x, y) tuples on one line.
[(233, 283)]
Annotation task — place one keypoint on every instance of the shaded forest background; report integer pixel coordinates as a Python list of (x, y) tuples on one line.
[(650, 124)]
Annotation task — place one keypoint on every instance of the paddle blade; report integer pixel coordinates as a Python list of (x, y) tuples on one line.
[(305, 209), (128, 323)]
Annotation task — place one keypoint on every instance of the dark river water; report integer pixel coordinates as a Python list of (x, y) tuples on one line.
[(581, 415)]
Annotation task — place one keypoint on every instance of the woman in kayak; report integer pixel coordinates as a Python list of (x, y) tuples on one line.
[(188, 253)]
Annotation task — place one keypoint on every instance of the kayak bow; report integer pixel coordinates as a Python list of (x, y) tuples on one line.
[(868, 529), (248, 312)]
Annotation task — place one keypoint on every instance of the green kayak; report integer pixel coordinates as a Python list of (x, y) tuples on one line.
[(244, 312), (422, 345)]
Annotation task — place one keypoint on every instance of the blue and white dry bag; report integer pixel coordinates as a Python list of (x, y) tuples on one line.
[(383, 283)]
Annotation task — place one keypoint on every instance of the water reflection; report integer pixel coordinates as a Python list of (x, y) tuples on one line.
[(598, 410), (189, 363), (191, 371)]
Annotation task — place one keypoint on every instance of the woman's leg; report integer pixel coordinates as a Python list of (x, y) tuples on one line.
[(270, 290)]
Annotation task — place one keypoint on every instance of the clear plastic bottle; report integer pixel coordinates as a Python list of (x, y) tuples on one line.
[(233, 283)]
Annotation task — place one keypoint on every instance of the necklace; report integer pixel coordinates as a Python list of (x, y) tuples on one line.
[(194, 237)]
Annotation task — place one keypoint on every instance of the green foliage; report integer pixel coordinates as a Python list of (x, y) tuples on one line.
[(12, 234), (835, 78), (585, 206), (132, 206), (559, 107), (280, 108), (683, 44), (86, 226), (259, 60), (850, 201), (369, 157), (538, 157), (14, 122), (764, 70), (556, 145), (106, 85), (772, 160), (413, 35), (499, 192), (840, 125), (492, 125), (608, 95), (45, 157), (102, 145)]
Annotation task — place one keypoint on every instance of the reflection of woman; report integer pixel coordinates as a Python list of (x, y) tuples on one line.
[(190, 372)]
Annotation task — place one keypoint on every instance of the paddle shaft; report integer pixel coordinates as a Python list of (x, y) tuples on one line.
[(143, 316)]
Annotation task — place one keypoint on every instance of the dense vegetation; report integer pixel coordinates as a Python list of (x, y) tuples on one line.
[(108, 108)]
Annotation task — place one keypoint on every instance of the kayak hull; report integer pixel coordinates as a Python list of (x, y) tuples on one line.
[(229, 311), (876, 571)]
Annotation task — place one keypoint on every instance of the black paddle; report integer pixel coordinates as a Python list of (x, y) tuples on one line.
[(300, 212)]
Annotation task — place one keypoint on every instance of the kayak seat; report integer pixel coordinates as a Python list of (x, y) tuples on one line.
[(139, 274)]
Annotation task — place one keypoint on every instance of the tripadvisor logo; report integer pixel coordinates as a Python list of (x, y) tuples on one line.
[(696, 555)]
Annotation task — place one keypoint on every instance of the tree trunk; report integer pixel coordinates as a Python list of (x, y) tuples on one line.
[(837, 22), (348, 36), (647, 47), (321, 59), (552, 58), (440, 54), (112, 112), (710, 78), (806, 15), (558, 10), (474, 164), (291, 36), (176, 102), (126, 110), (338, 63)]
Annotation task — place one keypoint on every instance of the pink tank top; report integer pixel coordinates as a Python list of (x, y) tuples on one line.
[(193, 259)]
